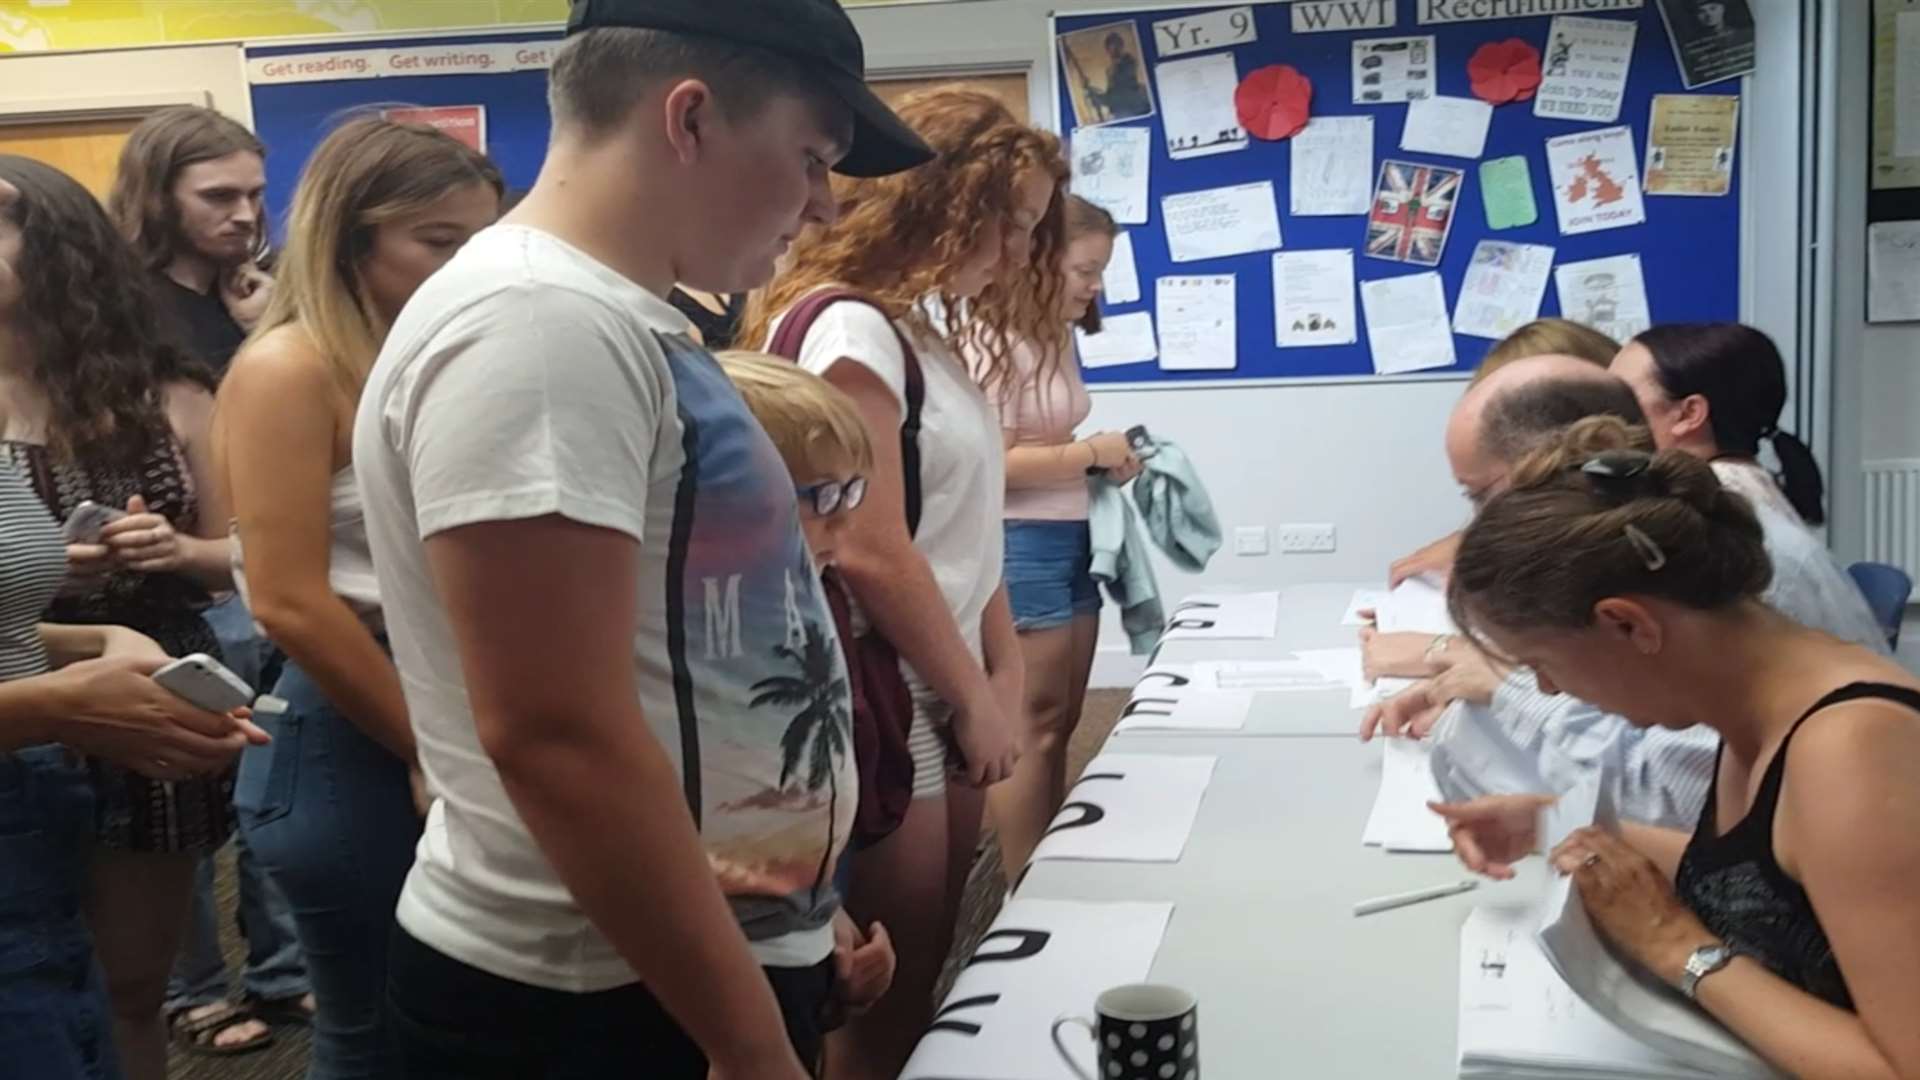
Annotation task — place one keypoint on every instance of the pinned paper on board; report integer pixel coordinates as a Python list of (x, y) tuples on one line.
[(1219, 222), (1690, 140), (1506, 191), (1608, 294), (1105, 76), (1584, 76), (1110, 170), (1196, 106), (1454, 126), (1596, 182), (1313, 299), (1893, 271), (1413, 209), (1123, 339), (1197, 323), (1390, 70), (1407, 326), (1332, 166), (1120, 282), (1502, 289), (1712, 39)]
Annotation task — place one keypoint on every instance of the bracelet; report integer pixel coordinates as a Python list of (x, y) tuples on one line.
[(1093, 456), (1439, 644)]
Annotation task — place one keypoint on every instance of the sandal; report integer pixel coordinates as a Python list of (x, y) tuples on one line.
[(201, 1035), (288, 1010)]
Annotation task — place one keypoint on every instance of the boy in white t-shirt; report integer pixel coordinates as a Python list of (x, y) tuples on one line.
[(593, 566)]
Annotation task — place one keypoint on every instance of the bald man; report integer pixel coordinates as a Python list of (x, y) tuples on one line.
[(1498, 732)]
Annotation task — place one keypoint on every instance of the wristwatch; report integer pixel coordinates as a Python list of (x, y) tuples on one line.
[(1705, 960)]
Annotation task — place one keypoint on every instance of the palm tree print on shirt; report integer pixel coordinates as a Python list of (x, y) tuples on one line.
[(821, 730)]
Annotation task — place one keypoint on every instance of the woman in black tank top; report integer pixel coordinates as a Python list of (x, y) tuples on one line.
[(1788, 914)]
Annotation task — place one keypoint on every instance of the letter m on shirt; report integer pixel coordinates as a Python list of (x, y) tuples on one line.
[(723, 618)]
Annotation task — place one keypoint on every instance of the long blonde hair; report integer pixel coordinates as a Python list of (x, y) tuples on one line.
[(899, 236), (367, 171)]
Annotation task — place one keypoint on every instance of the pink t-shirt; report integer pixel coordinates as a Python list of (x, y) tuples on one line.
[(1042, 412)]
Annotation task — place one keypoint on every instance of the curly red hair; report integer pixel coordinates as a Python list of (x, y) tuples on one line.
[(898, 237)]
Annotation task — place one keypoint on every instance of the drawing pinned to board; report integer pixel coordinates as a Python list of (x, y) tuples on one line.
[(1608, 294), (1110, 170), (1197, 323), (1196, 106), (1219, 222), (1313, 298), (1273, 102), (1454, 126), (1893, 271), (1585, 76), (1120, 282), (1506, 190), (1387, 70), (1503, 71), (1502, 289), (1596, 182), (1123, 339), (1407, 323), (1712, 40), (1331, 166), (1105, 75), (1690, 140), (1413, 210)]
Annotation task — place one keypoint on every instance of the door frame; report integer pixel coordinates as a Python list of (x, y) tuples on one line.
[(96, 106)]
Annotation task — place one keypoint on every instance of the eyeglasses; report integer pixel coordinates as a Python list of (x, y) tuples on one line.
[(834, 495)]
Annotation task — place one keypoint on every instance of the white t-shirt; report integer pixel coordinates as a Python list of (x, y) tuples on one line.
[(526, 379), (963, 467)]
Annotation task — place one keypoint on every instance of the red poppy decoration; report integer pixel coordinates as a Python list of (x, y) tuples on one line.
[(1504, 71), (1273, 102)]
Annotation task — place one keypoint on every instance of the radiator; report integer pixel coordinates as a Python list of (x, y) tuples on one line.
[(1893, 512)]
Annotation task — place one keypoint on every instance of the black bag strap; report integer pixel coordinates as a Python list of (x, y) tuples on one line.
[(793, 333)]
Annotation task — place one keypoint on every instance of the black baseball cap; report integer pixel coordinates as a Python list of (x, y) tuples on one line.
[(816, 33)]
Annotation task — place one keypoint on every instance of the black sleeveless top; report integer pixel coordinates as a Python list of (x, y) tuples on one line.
[(718, 329), (1734, 884)]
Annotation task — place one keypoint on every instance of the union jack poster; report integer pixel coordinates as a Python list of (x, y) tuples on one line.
[(1412, 212)]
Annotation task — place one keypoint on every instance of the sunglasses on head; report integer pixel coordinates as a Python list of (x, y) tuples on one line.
[(834, 495)]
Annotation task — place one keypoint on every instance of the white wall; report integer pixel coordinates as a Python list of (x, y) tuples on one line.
[(204, 74), (1363, 456)]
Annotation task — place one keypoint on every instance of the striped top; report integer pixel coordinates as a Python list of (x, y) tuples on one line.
[(34, 564)]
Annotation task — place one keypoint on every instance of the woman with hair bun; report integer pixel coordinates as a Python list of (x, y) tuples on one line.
[(1633, 581)]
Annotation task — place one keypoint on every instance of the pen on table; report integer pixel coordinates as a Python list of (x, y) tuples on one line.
[(1417, 896)]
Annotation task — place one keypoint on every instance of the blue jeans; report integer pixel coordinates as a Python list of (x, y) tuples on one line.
[(275, 970), (55, 1023), (1049, 573), (329, 813)]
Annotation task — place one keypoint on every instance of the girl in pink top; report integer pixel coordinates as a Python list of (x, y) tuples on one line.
[(1056, 605)]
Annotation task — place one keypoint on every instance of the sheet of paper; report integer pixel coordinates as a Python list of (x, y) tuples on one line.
[(1345, 667), (1690, 139), (1454, 126), (1110, 170), (1331, 166), (1219, 222), (1583, 74), (1596, 181), (1608, 294), (1893, 271), (1387, 70), (1712, 39), (1202, 30), (1242, 616), (1196, 106), (1364, 600), (1105, 76), (1412, 212), (1895, 106), (1407, 326), (1313, 299), (1266, 676), (1197, 323), (1120, 282), (1130, 808), (1906, 82), (1123, 339), (1417, 605), (1040, 958), (1401, 820), (1506, 190), (1206, 711), (1503, 288)]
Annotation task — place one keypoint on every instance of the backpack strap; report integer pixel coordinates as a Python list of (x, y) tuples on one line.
[(793, 333)]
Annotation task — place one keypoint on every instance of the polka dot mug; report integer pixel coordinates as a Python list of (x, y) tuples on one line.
[(1144, 1032)]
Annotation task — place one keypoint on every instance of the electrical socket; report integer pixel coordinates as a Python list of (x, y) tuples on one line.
[(1251, 540), (1307, 539)]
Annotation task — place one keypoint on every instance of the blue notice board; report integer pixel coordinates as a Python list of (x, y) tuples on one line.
[(1689, 247), (292, 118)]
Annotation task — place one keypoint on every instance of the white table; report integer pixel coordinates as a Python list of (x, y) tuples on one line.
[(1290, 983), (1309, 619)]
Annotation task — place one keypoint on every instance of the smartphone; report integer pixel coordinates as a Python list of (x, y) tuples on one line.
[(84, 524), (203, 681), (1138, 439)]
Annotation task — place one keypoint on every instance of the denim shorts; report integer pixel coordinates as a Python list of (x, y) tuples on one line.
[(1048, 573)]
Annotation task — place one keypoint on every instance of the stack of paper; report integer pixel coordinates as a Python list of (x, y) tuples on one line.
[(1401, 819), (1418, 605)]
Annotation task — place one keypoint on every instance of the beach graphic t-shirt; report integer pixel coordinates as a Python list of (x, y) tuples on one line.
[(526, 379)]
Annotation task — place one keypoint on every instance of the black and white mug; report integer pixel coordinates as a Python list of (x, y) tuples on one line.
[(1142, 1032)]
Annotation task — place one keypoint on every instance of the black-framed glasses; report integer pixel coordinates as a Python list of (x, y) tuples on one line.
[(834, 495)]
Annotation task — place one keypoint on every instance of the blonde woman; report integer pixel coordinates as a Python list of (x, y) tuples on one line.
[(328, 807)]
